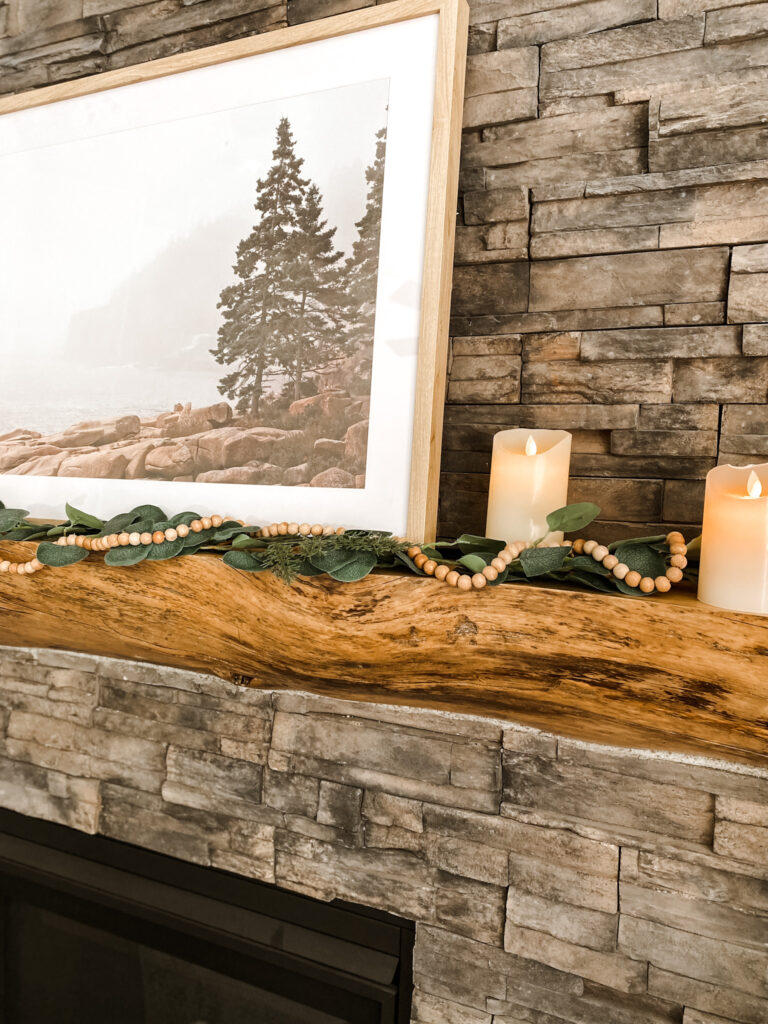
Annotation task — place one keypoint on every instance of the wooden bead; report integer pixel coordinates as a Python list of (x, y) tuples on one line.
[(678, 549), (134, 539), (195, 526), (578, 545), (340, 530), (513, 550), (420, 561), (632, 579), (464, 582), (293, 529), (88, 543), (13, 567), (273, 530), (620, 571), (429, 567), (71, 540), (413, 551), (610, 561), (171, 534), (479, 581), (441, 572), (123, 539), (304, 529), (328, 531), (647, 585), (491, 573), (317, 530), (158, 537), (206, 521), (674, 575), (282, 529), (675, 538), (146, 538), (4, 565), (600, 552), (498, 564), (452, 578), (662, 584), (36, 564), (589, 546), (114, 540), (505, 557), (61, 541), (182, 530), (79, 540), (679, 561), (217, 521)]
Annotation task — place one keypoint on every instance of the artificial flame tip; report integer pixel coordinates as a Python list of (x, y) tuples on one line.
[(754, 486), (530, 446)]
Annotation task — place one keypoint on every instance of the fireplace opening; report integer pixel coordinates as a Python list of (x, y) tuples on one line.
[(95, 931)]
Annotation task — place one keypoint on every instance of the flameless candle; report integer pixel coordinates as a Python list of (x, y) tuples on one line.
[(529, 479), (733, 572)]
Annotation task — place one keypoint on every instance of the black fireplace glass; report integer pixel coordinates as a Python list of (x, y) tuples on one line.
[(99, 932)]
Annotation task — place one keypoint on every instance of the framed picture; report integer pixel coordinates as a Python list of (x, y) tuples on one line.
[(225, 276)]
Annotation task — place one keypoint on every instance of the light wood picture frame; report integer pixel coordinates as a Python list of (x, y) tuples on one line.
[(403, 62)]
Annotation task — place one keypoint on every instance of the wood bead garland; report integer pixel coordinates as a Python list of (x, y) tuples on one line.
[(134, 539), (678, 550), (646, 584)]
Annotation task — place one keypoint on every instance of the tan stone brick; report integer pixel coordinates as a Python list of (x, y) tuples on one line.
[(695, 956), (501, 287), (569, 22), (498, 107), (620, 381), (634, 278), (737, 23), (744, 842), (662, 343), (721, 380), (708, 996), (502, 71)]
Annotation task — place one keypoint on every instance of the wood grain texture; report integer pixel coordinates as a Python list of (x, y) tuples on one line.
[(667, 673)]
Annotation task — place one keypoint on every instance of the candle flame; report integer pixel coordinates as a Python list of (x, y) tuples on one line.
[(530, 446), (754, 487)]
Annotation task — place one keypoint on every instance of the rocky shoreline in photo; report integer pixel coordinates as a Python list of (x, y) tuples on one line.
[(321, 441)]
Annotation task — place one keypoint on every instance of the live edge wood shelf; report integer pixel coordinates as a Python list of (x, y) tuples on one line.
[(666, 673)]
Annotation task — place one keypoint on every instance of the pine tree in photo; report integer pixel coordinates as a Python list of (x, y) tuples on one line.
[(362, 266), (317, 336), (258, 309)]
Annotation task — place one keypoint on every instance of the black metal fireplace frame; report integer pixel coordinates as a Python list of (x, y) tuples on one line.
[(323, 953)]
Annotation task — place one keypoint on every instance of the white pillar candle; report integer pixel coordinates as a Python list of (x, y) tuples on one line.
[(733, 572), (529, 479)]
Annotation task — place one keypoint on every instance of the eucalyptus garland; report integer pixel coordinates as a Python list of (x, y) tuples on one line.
[(343, 556)]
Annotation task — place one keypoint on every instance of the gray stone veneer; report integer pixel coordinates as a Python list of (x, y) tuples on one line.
[(551, 881)]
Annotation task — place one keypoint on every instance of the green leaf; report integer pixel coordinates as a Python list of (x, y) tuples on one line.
[(585, 563), (469, 542), (150, 512), (345, 566), (10, 518), (78, 518), (475, 563), (623, 588), (538, 561), (572, 517), (244, 541), (227, 530), (183, 517), (643, 559), (593, 580), (307, 569), (407, 560), (117, 523), (694, 549), (128, 555), (59, 555), (166, 549), (244, 561), (658, 538)]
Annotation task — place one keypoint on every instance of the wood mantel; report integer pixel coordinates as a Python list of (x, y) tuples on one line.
[(666, 672)]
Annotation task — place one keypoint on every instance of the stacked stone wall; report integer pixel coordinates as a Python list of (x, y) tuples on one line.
[(552, 882)]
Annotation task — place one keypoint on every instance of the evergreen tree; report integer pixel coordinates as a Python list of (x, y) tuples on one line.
[(316, 335), (362, 266), (259, 307)]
